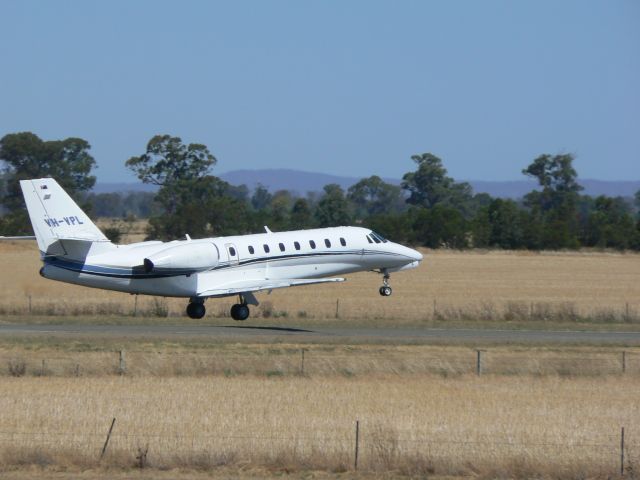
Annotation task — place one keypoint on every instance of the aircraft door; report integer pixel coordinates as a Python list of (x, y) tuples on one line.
[(232, 253)]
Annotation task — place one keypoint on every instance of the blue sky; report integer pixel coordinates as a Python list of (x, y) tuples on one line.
[(343, 87)]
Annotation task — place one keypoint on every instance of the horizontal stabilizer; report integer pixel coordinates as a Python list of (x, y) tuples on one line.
[(22, 237), (243, 286)]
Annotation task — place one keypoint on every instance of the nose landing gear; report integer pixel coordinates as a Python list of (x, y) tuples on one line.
[(385, 289)]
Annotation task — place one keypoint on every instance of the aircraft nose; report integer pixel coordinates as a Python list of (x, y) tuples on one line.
[(414, 255)]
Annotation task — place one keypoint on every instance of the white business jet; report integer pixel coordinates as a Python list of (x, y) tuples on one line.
[(74, 250)]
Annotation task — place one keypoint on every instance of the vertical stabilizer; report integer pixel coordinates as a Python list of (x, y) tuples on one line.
[(55, 217)]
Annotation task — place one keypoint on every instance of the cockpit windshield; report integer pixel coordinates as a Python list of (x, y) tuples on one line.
[(378, 238)]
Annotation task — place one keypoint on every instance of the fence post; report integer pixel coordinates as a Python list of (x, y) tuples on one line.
[(435, 309), (122, 369), (479, 362), (337, 308), (622, 453), (30, 304), (624, 362), (355, 464), (106, 442), (135, 305), (302, 362)]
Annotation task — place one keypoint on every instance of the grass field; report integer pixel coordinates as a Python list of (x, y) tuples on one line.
[(91, 357), (223, 408), (413, 425), (449, 285), (206, 407)]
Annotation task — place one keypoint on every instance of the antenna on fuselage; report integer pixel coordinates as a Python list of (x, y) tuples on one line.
[(186, 235), (266, 229)]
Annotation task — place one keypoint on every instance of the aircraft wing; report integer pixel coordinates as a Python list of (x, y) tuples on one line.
[(245, 286)]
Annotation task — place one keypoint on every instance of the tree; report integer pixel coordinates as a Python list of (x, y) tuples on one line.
[(26, 156), (192, 200), (610, 225), (203, 208), (171, 165), (373, 196), (440, 226), (429, 186), (394, 226), (301, 215), (261, 198), (279, 210), (555, 206), (505, 220), (107, 204), (168, 161), (333, 208)]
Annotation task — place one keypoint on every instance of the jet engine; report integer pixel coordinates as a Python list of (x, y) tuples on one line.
[(189, 257)]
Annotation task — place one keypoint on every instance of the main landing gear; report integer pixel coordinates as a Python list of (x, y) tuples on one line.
[(196, 309), (240, 311), (385, 289)]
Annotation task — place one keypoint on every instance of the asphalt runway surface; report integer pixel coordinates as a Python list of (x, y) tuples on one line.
[(260, 333)]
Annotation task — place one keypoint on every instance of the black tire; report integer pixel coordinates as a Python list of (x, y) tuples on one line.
[(239, 312), (243, 312), (196, 310), (385, 291)]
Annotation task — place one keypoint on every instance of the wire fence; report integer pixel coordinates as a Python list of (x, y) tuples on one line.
[(309, 361), (361, 445)]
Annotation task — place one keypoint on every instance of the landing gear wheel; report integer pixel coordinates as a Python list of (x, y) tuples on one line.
[(196, 310), (385, 291), (239, 312)]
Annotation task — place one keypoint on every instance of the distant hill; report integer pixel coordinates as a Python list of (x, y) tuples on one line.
[(303, 182)]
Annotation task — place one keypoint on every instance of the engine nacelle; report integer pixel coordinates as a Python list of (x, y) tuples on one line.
[(190, 257)]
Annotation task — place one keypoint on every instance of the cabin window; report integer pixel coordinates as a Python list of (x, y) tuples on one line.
[(251, 250), (232, 251), (312, 244), (343, 242), (369, 239), (281, 245), (297, 245), (327, 243), (266, 248)]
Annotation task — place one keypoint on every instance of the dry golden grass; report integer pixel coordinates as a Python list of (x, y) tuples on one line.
[(484, 284), (492, 426), (454, 285), (131, 231), (93, 357)]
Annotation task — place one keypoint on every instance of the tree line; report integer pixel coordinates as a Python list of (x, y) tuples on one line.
[(429, 208)]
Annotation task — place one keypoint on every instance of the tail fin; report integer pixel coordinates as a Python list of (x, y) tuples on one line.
[(59, 224)]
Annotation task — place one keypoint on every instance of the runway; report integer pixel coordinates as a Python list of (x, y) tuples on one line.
[(266, 333)]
